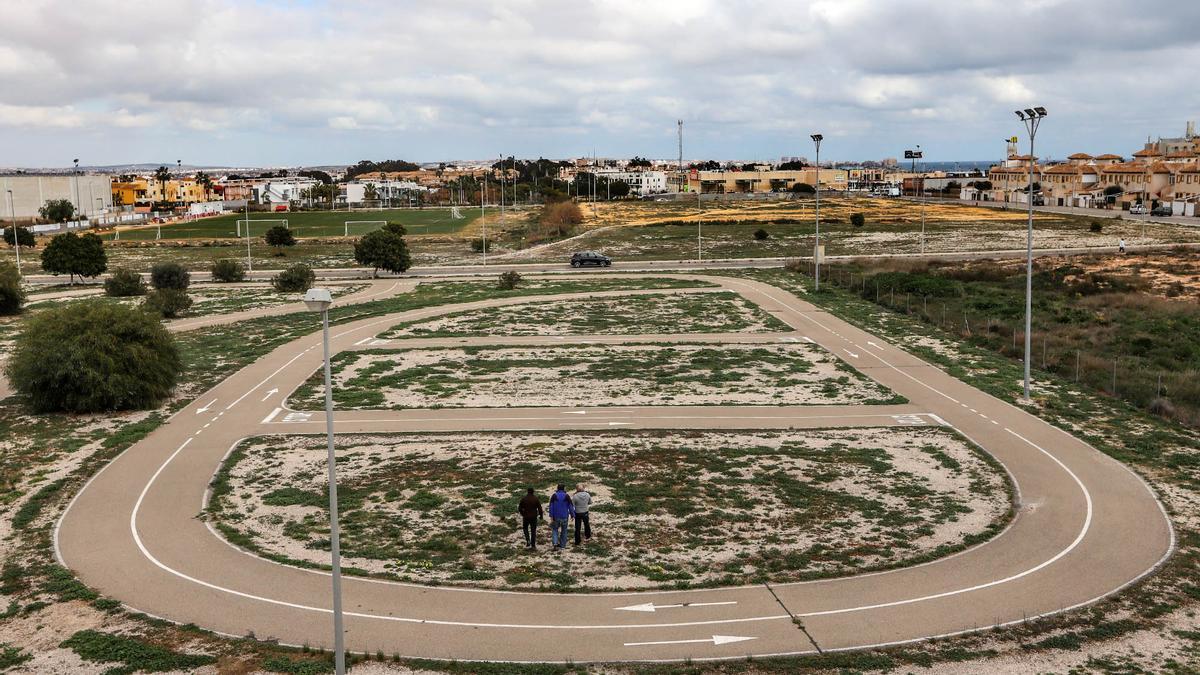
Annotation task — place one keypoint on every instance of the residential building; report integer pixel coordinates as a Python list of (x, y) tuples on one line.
[(640, 182), (726, 182)]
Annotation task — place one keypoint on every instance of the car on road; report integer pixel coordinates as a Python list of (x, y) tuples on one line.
[(1160, 211), (590, 258), (1137, 210)]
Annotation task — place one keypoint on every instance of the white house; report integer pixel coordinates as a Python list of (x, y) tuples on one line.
[(640, 182), (388, 191)]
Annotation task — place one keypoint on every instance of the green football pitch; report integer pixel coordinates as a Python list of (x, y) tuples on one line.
[(308, 224)]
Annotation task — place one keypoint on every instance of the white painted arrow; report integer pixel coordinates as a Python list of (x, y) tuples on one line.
[(651, 607), (852, 354), (809, 340), (715, 640), (270, 394), (205, 408), (874, 345)]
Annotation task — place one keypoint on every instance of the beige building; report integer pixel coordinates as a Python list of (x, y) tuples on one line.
[(24, 195), (732, 182)]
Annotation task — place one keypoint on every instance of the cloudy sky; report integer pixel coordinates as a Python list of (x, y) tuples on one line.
[(283, 83)]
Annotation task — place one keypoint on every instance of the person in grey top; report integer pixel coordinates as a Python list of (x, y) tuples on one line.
[(582, 500)]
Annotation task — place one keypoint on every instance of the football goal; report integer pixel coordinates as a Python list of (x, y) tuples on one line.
[(455, 213), (364, 226), (257, 220)]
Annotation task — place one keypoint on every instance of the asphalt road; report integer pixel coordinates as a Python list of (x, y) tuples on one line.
[(1086, 526)]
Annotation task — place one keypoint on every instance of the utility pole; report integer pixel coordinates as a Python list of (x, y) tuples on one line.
[(1032, 118), (12, 207), (679, 123), (817, 248)]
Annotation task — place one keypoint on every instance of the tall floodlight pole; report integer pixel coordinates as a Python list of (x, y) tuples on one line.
[(249, 260), (482, 211), (319, 300), (12, 207), (914, 155), (817, 247), (1032, 118)]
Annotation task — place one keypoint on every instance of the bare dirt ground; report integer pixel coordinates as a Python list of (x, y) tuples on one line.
[(616, 375), (706, 312), (697, 508)]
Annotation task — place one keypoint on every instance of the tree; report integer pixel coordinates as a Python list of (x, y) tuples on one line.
[(383, 249), (57, 210), (12, 296), (803, 189), (315, 174), (370, 193), (858, 219), (204, 181), (761, 234), (367, 166), (982, 185), (792, 165), (228, 270), (124, 283), (91, 356), (23, 235), (639, 162), (162, 174), (170, 275), (167, 302), (74, 254), (295, 279), (279, 236), (561, 217)]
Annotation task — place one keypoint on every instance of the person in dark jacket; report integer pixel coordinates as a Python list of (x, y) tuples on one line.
[(530, 509), (561, 510)]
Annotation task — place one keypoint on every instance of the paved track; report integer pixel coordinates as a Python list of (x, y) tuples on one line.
[(1086, 527)]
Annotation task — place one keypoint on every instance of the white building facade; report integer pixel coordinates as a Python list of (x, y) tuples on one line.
[(640, 182)]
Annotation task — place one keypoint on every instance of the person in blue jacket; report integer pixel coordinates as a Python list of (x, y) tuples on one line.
[(561, 510)]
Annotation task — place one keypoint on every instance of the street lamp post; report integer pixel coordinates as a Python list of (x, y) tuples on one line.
[(914, 155), (319, 300), (1032, 118), (12, 207), (817, 138)]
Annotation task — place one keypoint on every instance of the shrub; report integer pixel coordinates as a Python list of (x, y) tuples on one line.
[(560, 217), (761, 234), (74, 254), (509, 280), (279, 236), (480, 245), (228, 270), (57, 210), (170, 275), (167, 302), (383, 249), (92, 356), (124, 283), (917, 284), (1162, 407), (19, 234), (803, 189), (295, 279), (858, 219), (12, 296), (1096, 226)]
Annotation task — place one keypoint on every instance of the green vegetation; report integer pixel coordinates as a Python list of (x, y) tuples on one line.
[(509, 280), (11, 657), (17, 234), (227, 270), (12, 296), (170, 275), (383, 249), (123, 283), (135, 655), (74, 254), (309, 224), (91, 356), (279, 237), (297, 278), (168, 303), (57, 210)]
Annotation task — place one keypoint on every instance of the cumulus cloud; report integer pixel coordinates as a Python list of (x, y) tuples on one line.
[(283, 82)]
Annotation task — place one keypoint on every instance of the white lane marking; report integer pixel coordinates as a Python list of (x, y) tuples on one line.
[(651, 607), (1087, 524), (910, 420), (362, 341), (714, 640), (297, 417), (266, 379), (939, 420), (205, 408), (594, 424), (874, 345), (575, 412), (809, 340), (852, 354), (269, 394), (270, 417)]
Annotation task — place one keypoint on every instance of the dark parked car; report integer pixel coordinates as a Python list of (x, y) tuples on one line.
[(1160, 211), (590, 258)]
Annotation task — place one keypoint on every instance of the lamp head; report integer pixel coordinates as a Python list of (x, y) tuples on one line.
[(318, 299), (1021, 115), (1030, 113), (817, 137), (1040, 111)]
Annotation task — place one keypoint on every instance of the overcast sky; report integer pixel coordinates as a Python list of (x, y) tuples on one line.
[(287, 83)]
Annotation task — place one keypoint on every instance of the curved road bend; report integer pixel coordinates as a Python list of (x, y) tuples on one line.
[(1087, 527)]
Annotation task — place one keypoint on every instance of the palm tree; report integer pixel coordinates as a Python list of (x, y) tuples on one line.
[(205, 181), (370, 193), (162, 174)]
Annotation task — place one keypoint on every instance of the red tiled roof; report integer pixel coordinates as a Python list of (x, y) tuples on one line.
[(1109, 156), (1146, 152), (1080, 155)]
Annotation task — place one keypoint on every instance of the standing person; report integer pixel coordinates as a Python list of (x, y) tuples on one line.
[(530, 509), (561, 508), (1121, 246), (582, 501)]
